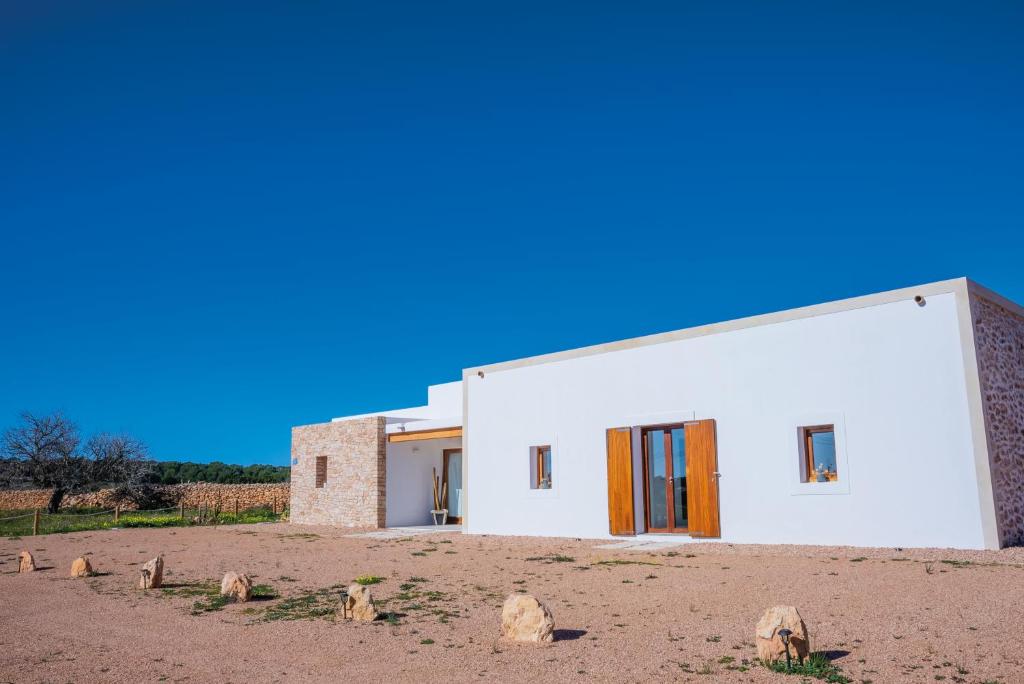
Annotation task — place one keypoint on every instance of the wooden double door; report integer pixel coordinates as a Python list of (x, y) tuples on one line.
[(679, 471)]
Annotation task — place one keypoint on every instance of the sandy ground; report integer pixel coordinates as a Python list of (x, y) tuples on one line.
[(885, 615)]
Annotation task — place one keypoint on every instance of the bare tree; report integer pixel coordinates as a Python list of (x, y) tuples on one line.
[(43, 451), (122, 462)]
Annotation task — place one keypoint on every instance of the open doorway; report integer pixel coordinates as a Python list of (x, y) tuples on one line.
[(452, 474)]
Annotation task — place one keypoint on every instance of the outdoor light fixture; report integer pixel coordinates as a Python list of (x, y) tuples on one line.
[(784, 634), (480, 373), (344, 606), (920, 300)]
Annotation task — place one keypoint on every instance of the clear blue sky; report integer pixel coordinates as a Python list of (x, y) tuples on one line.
[(220, 219)]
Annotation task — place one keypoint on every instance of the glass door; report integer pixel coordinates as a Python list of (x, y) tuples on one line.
[(453, 482), (664, 451)]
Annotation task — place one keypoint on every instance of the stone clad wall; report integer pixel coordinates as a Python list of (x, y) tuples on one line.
[(354, 492), (999, 338), (193, 495)]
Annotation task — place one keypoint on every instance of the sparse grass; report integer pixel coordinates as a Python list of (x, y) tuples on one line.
[(87, 519), (552, 558), (369, 579), (957, 563), (264, 592), (816, 666), (208, 595), (211, 603), (620, 561), (308, 605)]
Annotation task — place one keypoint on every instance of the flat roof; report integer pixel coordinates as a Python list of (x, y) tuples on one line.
[(955, 285)]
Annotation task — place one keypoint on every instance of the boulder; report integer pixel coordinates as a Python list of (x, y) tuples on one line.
[(81, 567), (236, 585), (359, 604), (524, 618), (152, 573), (26, 562), (769, 644)]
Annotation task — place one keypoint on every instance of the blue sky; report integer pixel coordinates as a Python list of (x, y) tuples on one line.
[(220, 219)]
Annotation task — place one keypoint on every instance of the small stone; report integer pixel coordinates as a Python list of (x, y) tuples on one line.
[(81, 567), (769, 644), (359, 603), (152, 573), (26, 562), (524, 618), (237, 585)]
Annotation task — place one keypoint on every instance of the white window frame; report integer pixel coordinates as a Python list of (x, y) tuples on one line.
[(530, 449), (795, 462)]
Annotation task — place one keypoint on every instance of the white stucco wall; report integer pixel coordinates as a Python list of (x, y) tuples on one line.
[(409, 492), (890, 376)]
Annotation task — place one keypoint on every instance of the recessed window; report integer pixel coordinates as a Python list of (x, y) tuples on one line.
[(818, 444), (321, 470), (540, 467)]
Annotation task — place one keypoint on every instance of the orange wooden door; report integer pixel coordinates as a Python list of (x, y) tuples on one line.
[(620, 481), (702, 479)]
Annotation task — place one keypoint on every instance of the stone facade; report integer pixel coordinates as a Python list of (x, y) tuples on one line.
[(999, 339), (353, 494)]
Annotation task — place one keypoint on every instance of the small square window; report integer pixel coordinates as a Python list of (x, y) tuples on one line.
[(540, 467), (321, 470), (818, 444)]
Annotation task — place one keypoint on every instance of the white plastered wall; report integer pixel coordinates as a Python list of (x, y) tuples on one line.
[(891, 375), (409, 491)]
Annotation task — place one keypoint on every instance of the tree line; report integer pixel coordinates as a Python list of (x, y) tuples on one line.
[(176, 472), (47, 451)]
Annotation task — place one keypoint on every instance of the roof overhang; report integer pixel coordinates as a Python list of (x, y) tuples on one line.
[(436, 428)]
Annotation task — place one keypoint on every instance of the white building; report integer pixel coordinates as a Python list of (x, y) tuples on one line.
[(895, 419)]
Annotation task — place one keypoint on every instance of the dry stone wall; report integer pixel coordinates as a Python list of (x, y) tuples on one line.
[(353, 492), (192, 495), (999, 338)]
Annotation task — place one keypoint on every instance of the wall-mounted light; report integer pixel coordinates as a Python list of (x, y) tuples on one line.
[(480, 373), (920, 300)]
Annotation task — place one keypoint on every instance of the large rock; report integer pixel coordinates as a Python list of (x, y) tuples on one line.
[(359, 604), (26, 563), (236, 585), (524, 618), (152, 573), (81, 567), (769, 644)]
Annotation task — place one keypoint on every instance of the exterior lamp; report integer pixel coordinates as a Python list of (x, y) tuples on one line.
[(345, 615), (784, 634)]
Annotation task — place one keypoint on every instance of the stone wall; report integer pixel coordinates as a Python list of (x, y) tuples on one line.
[(193, 495), (999, 338), (353, 494)]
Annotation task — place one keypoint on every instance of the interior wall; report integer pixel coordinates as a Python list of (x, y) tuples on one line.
[(409, 470), (890, 376)]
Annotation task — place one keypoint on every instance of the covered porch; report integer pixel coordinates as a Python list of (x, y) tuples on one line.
[(424, 472)]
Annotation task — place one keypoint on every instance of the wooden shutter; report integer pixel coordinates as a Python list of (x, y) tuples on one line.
[(321, 470), (620, 481), (702, 479)]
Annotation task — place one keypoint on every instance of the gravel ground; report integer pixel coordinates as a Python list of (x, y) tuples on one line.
[(883, 615)]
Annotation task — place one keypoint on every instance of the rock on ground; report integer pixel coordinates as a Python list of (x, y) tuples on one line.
[(152, 573), (81, 567), (524, 618), (26, 562), (359, 603), (237, 585), (769, 644)]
